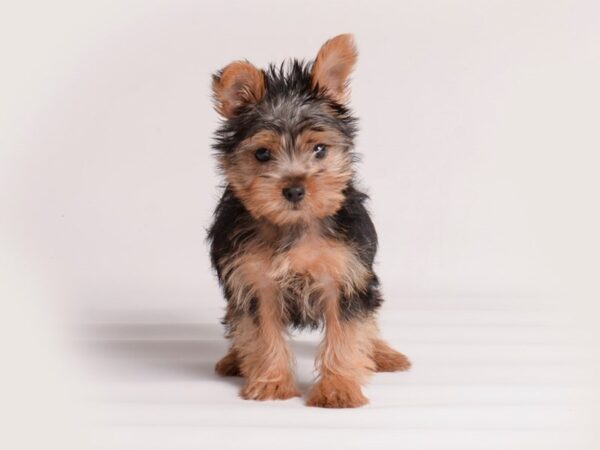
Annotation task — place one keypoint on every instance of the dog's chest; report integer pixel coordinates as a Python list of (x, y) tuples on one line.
[(307, 273), (313, 257)]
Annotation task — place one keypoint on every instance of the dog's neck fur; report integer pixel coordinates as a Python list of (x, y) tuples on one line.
[(284, 237)]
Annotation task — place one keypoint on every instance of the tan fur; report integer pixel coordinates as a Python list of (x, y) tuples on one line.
[(351, 350), (333, 65), (291, 263), (229, 365), (265, 358), (309, 267), (344, 361), (260, 185), (387, 359), (334, 391), (245, 274), (322, 266), (239, 83), (325, 261)]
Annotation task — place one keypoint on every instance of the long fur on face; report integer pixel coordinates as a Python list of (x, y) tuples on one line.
[(292, 117)]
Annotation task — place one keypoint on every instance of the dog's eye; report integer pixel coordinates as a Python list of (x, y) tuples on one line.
[(262, 154), (320, 151)]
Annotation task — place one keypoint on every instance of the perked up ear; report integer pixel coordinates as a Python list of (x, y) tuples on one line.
[(237, 85), (333, 66)]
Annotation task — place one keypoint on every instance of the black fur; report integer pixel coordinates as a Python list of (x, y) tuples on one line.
[(290, 105), (233, 225), (353, 224)]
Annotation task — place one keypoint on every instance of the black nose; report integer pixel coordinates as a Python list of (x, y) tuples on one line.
[(294, 193)]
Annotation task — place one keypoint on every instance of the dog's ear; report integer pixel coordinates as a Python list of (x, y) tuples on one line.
[(237, 85), (333, 66)]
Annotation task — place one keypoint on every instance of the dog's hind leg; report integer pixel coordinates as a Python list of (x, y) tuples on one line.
[(229, 365), (387, 359)]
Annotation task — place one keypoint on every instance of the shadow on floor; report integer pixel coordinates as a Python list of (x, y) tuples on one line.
[(155, 350), (129, 348)]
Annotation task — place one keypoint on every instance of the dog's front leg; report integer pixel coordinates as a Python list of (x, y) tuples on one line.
[(344, 359), (265, 357)]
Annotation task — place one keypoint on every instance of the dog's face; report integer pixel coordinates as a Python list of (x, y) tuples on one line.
[(286, 143)]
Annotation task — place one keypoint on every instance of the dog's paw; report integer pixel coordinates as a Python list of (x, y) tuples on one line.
[(269, 390), (229, 366), (334, 392), (389, 360)]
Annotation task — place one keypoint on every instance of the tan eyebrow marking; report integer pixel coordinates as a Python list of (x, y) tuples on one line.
[(311, 137), (264, 138)]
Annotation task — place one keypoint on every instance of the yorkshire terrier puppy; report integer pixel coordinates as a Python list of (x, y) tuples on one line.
[(292, 242)]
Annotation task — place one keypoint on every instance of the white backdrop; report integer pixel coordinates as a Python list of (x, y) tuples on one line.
[(479, 135)]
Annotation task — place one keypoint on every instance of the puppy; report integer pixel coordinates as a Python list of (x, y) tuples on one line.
[(292, 243)]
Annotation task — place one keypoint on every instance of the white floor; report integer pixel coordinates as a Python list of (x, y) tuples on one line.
[(510, 378)]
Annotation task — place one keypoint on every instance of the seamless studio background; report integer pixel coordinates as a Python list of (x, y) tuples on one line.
[(479, 143)]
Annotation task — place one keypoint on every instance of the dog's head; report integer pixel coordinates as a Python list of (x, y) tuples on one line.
[(285, 145)]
